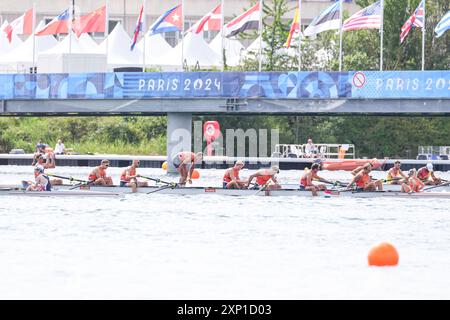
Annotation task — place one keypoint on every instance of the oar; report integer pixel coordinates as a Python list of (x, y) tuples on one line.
[(438, 186), (66, 178), (157, 180), (172, 186), (262, 188), (78, 185)]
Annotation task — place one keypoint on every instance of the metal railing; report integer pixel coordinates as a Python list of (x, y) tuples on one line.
[(319, 150)]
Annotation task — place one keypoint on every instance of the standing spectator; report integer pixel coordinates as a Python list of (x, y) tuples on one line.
[(310, 149), (59, 147)]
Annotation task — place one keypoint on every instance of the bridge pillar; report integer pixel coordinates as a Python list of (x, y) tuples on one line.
[(179, 136)]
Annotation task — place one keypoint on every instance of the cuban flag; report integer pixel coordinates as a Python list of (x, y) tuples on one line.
[(416, 20), (138, 28), (443, 25), (57, 25), (170, 21)]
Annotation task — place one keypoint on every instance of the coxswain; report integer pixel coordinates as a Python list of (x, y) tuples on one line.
[(41, 182), (38, 160), (306, 181), (231, 178), (265, 178), (363, 180), (98, 175), (413, 183), (395, 175), (185, 162), (129, 177), (426, 175)]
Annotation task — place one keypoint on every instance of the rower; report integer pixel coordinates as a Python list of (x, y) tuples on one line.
[(98, 175), (395, 175), (413, 183), (129, 177), (264, 177), (363, 180), (231, 178), (426, 175), (306, 182), (181, 162), (360, 168), (38, 160), (41, 182)]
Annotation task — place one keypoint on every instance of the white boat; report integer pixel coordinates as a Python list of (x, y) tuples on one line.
[(64, 190)]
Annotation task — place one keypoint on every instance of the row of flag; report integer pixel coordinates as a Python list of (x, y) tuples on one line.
[(367, 18)]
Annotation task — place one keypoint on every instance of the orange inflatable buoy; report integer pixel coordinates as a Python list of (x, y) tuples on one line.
[(164, 165), (195, 174), (383, 254)]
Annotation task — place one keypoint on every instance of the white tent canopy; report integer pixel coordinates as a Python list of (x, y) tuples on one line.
[(66, 45), (156, 48), (233, 49), (5, 45), (196, 51), (119, 51), (87, 43)]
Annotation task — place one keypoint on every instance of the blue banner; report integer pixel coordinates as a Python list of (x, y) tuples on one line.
[(270, 85)]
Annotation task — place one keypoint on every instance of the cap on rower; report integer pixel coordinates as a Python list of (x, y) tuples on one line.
[(39, 168), (239, 163), (430, 166), (275, 168)]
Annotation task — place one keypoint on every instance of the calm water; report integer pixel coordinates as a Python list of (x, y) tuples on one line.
[(211, 247)]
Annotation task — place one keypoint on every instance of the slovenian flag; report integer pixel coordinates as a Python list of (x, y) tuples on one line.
[(138, 28), (170, 21)]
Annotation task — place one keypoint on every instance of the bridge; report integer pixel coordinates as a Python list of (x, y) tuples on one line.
[(180, 95)]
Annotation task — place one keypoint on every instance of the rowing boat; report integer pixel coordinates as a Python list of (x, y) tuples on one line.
[(63, 190)]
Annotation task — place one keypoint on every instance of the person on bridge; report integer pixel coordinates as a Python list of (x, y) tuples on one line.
[(98, 175), (129, 177), (231, 178), (185, 162), (395, 175), (426, 175), (306, 181), (265, 178), (413, 183), (363, 180)]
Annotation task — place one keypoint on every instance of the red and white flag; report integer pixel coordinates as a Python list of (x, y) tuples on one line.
[(416, 20), (210, 22), (58, 25), (249, 20), (22, 25)]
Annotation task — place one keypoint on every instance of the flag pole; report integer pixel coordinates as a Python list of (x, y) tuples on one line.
[(182, 35), (381, 35), (107, 29), (34, 37), (261, 6), (299, 35), (423, 35), (222, 22), (341, 11), (144, 23), (72, 17)]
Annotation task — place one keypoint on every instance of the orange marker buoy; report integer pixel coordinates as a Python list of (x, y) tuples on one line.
[(164, 165), (383, 254), (195, 174)]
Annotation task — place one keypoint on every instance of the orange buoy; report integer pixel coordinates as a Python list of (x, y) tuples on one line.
[(195, 174), (383, 254), (164, 165)]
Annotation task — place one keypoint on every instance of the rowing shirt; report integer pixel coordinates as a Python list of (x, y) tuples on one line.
[(93, 175), (264, 178), (227, 175), (392, 173), (43, 183), (423, 174), (415, 184), (132, 171), (304, 179), (363, 180)]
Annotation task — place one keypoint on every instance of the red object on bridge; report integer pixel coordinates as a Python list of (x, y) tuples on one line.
[(350, 164), (211, 131)]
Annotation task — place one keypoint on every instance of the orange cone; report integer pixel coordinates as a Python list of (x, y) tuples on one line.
[(195, 174), (164, 165), (383, 254)]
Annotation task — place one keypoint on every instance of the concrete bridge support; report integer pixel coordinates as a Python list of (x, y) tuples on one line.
[(179, 136)]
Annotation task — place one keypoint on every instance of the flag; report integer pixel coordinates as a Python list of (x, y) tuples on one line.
[(94, 21), (22, 25), (327, 20), (249, 20), (57, 25), (210, 22), (169, 21), (367, 18), (443, 25), (294, 27), (416, 20), (138, 28)]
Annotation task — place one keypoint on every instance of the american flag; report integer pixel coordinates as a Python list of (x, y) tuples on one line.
[(367, 18), (417, 20)]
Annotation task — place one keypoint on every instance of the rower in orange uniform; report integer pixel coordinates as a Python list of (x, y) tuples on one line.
[(413, 183), (129, 177), (363, 180), (231, 178), (264, 177), (98, 175), (426, 175), (306, 182), (185, 162)]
